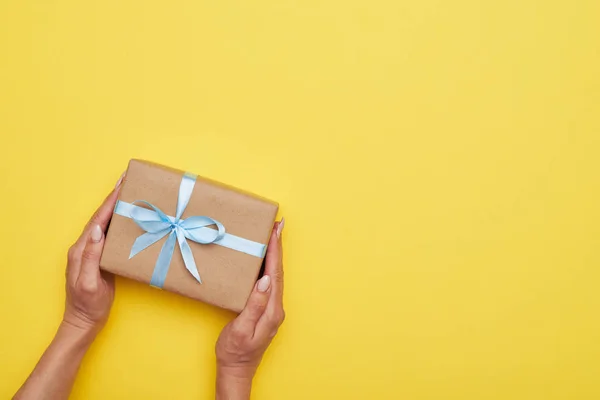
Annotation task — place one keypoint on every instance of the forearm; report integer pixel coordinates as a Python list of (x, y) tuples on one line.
[(232, 386), (55, 373)]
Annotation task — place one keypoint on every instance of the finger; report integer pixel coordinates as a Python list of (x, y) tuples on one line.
[(256, 304), (101, 217), (274, 315), (89, 274), (274, 261), (103, 213), (73, 264), (271, 319)]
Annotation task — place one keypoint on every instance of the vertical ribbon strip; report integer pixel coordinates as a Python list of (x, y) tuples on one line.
[(158, 225)]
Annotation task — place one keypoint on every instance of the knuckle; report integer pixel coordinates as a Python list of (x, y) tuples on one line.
[(273, 332), (95, 218), (238, 341), (238, 333), (73, 254), (87, 287), (89, 255), (278, 275), (276, 318), (258, 306), (255, 311), (279, 317)]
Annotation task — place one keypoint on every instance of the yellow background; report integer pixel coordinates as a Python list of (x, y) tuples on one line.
[(437, 163)]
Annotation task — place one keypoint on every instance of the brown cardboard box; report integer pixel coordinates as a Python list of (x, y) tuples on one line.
[(228, 276)]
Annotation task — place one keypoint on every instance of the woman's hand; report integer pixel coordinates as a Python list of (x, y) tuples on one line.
[(243, 341), (90, 294)]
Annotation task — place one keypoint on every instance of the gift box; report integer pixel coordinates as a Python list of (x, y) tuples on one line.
[(187, 234)]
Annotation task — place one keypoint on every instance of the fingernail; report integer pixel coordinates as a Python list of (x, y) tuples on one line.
[(280, 227), (120, 180), (96, 233), (264, 283)]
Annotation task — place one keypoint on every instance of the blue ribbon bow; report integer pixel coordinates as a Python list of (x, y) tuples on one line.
[(158, 225)]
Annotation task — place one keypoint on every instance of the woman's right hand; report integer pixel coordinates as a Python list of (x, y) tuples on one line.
[(244, 340)]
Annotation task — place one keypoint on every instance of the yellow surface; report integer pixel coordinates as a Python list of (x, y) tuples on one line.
[(437, 163)]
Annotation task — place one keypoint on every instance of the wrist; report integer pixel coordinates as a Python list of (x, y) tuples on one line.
[(233, 383), (242, 372), (80, 322), (80, 336)]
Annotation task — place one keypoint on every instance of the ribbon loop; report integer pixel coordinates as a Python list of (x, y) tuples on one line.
[(192, 230)]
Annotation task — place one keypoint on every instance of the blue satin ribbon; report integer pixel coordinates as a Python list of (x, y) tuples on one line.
[(158, 225)]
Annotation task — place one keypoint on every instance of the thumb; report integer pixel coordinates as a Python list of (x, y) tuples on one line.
[(257, 303), (89, 274)]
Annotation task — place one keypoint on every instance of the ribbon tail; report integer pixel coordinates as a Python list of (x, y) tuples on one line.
[(188, 257), (162, 262), (146, 240)]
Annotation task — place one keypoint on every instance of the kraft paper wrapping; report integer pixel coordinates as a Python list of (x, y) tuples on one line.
[(228, 276)]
